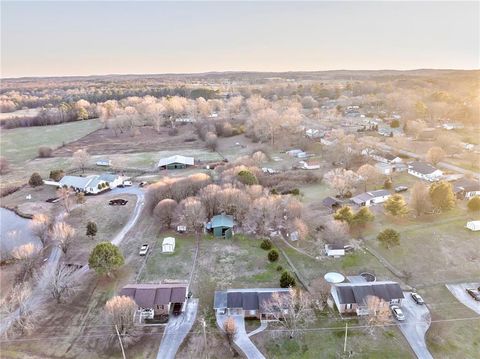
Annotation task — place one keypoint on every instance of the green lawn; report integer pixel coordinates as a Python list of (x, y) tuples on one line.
[(21, 144)]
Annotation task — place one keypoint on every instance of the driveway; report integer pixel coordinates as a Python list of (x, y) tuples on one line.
[(242, 340), (39, 293), (176, 330), (458, 290), (415, 326)]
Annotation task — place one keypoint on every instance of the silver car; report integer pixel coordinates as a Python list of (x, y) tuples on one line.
[(397, 312), (143, 250)]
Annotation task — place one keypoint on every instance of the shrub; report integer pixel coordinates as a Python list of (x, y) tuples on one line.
[(247, 177), (266, 244), (388, 184), (35, 180), (389, 238), (279, 268), (273, 255), (442, 196), (287, 280), (105, 258), (474, 204), (56, 175), (91, 229), (44, 152)]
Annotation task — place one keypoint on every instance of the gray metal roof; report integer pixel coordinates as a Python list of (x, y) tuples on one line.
[(176, 159), (349, 293), (76, 181), (221, 220), (247, 299)]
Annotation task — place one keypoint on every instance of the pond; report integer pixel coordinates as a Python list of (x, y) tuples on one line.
[(14, 231)]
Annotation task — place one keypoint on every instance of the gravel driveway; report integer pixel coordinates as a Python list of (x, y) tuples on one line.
[(415, 326), (176, 330), (458, 290)]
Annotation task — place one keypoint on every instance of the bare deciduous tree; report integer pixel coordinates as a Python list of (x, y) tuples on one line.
[(63, 282), (321, 289), (120, 311), (230, 328), (66, 196), (293, 310), (26, 254), (164, 211), (81, 158), (420, 200), (435, 154), (64, 234), (40, 225), (378, 313), (335, 232), (343, 181), (192, 214), (368, 174)]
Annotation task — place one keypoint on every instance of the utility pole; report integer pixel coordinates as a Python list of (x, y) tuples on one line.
[(120, 340), (204, 325), (346, 334)]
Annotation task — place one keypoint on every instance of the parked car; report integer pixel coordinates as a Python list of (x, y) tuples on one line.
[(417, 298), (142, 184), (401, 189), (143, 250), (177, 308), (127, 183), (119, 201), (475, 294), (397, 312), (53, 200)]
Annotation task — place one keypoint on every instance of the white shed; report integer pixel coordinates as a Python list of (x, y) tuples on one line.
[(473, 226), (168, 245)]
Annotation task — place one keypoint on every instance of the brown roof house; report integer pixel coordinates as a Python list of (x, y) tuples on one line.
[(159, 297)]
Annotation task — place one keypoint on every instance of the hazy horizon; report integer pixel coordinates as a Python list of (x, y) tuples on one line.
[(52, 39)]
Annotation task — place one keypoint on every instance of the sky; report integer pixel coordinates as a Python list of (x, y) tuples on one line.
[(131, 37)]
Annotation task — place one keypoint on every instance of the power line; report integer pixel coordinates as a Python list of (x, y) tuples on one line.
[(103, 335)]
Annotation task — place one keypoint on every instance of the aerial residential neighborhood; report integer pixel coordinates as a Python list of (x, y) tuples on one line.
[(239, 180)]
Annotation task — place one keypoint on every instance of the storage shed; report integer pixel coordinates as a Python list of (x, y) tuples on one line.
[(221, 225), (473, 226), (168, 245)]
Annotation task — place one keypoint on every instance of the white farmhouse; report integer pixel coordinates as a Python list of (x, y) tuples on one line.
[(424, 171)]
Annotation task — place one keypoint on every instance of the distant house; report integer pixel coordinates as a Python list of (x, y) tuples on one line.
[(382, 157), (310, 165), (384, 168), (248, 302), (424, 171), (159, 297), (185, 120), (351, 298), (313, 133), (168, 245), (466, 188), (331, 203), (335, 251), (221, 226), (91, 184), (294, 152), (176, 162), (368, 199), (473, 226), (104, 163)]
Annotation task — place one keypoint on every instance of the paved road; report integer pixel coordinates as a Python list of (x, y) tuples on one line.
[(420, 157), (415, 326), (176, 331), (242, 341), (458, 290)]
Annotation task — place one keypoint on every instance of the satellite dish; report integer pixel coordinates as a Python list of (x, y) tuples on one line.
[(333, 277)]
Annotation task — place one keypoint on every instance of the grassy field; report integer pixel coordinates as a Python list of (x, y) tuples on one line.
[(21, 144)]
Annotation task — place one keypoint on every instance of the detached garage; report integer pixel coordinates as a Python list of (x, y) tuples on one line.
[(168, 245)]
